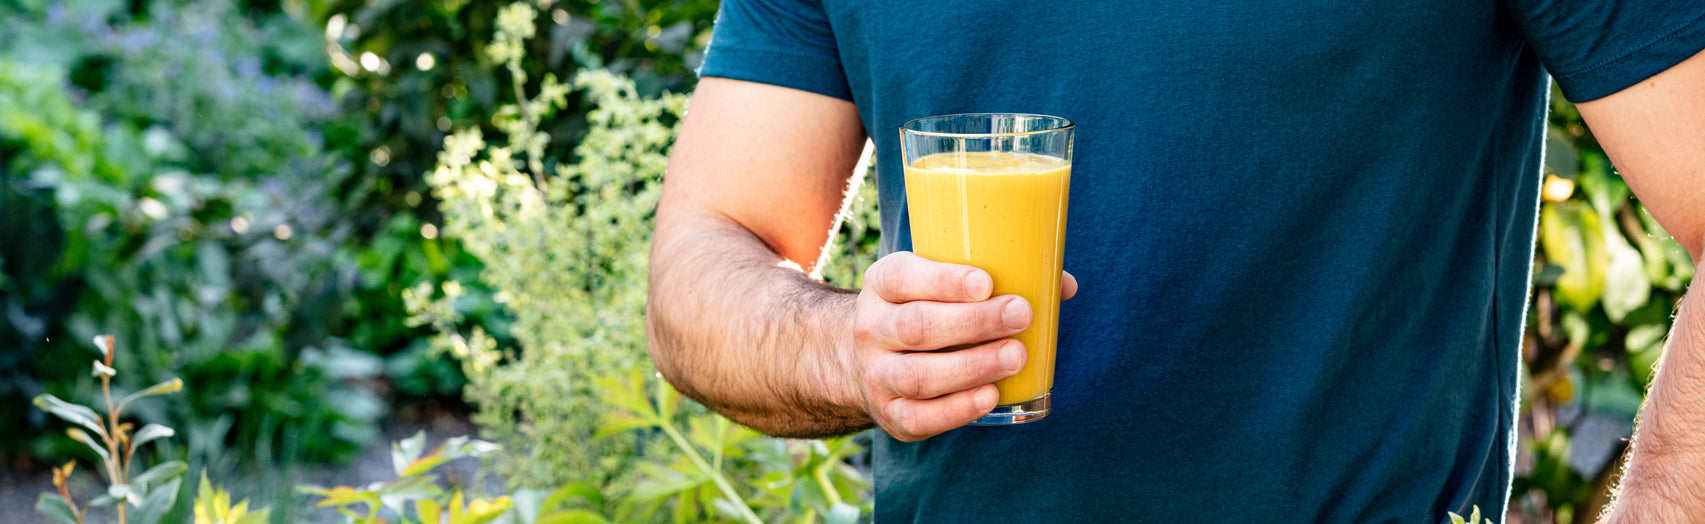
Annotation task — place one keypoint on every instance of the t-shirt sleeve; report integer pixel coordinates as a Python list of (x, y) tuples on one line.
[(1595, 48), (780, 42)]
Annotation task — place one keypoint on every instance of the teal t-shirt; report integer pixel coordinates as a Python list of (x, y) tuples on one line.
[(1304, 231)]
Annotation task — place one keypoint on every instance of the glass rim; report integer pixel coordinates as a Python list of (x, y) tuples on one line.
[(905, 127)]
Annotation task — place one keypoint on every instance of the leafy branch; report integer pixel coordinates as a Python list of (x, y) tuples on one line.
[(151, 493)]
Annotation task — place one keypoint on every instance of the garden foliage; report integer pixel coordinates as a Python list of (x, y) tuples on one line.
[(247, 193), (1607, 280), (198, 220), (577, 401)]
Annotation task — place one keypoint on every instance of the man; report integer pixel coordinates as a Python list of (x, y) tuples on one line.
[(1304, 232)]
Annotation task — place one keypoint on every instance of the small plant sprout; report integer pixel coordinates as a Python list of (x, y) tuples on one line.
[(1472, 519), (150, 494)]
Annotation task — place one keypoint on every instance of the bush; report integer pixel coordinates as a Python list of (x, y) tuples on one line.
[(198, 220), (574, 403)]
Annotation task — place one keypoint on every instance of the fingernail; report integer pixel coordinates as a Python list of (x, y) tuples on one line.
[(1016, 314), (1012, 356), (987, 397), (978, 285)]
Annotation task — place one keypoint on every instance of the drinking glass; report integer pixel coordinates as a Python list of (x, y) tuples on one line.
[(989, 190)]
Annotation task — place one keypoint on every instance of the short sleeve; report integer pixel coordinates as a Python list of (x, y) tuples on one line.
[(780, 42), (1597, 47)]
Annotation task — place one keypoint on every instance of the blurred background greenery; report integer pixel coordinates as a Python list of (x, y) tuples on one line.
[(240, 192)]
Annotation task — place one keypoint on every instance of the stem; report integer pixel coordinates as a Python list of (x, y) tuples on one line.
[(823, 481), (66, 494), (118, 473), (715, 476), (534, 164), (721, 439), (111, 437)]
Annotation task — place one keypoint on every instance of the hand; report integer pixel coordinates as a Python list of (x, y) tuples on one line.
[(912, 308)]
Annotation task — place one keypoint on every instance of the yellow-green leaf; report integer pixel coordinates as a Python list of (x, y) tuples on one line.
[(429, 511), (164, 388), (578, 516), (1572, 238), (615, 422), (72, 413), (422, 465)]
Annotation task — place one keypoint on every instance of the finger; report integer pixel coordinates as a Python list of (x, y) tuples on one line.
[(1068, 285), (912, 420), (928, 326), (926, 375), (904, 277)]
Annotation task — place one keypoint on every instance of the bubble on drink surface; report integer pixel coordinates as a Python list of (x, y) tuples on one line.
[(989, 163)]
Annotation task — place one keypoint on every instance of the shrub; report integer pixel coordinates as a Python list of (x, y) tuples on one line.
[(565, 247), (199, 220)]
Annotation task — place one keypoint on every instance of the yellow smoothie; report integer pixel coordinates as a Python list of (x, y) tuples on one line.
[(1004, 213)]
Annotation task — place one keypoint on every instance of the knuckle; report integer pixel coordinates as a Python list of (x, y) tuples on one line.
[(911, 425), (864, 329), (989, 363), (905, 381), (894, 278), (911, 328), (875, 274), (990, 317), (898, 417)]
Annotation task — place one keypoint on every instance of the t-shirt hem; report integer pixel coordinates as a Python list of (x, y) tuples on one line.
[(805, 72), (1615, 74)]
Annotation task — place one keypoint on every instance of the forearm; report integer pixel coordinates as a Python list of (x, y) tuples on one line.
[(1665, 476), (733, 327)]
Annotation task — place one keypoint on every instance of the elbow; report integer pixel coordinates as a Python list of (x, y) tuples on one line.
[(664, 348)]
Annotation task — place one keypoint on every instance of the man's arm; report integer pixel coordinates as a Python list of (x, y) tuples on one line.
[(1655, 134), (754, 181)]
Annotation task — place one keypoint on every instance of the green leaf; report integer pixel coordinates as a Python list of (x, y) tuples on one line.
[(164, 388), (80, 436), (1680, 264), (72, 413), (157, 503), (258, 516), (685, 510), (341, 496), (399, 492), (659, 482), (406, 451), (411, 487), (458, 447), (668, 400), (1645, 344), (841, 513), (579, 490), (429, 511), (1626, 286), (573, 516), (52, 506), (421, 465), (160, 472), (204, 489), (626, 395), (1606, 191), (614, 422), (1573, 239), (148, 433)]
